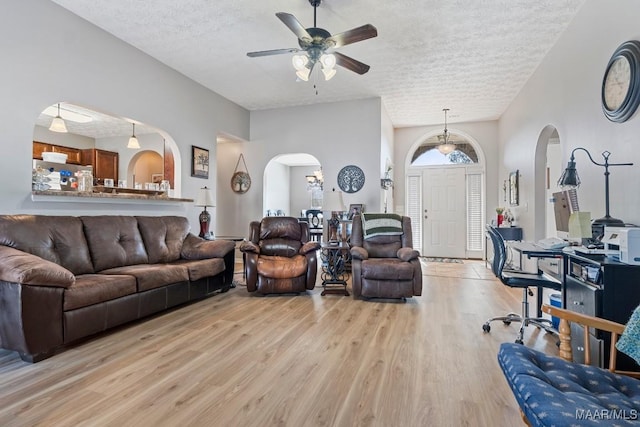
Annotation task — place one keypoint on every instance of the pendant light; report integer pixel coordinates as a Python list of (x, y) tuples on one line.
[(57, 124), (446, 147), (133, 141)]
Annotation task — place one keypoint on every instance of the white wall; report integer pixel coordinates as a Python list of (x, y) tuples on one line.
[(276, 176), (51, 55), (300, 197), (565, 92), (386, 157), (337, 134)]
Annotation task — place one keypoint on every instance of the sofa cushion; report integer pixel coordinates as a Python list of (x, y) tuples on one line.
[(163, 236), (92, 289), (59, 239), (199, 269), (114, 241), (28, 269), (151, 276), (387, 269), (197, 248), (277, 267)]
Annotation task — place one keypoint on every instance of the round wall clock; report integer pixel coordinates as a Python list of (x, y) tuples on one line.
[(621, 83), (350, 179), (240, 182)]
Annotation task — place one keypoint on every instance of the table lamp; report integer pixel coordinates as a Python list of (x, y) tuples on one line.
[(332, 202), (570, 179), (205, 200)]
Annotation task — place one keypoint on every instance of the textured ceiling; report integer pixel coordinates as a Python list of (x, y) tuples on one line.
[(472, 56)]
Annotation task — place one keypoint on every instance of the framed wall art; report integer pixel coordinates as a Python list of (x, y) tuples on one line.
[(199, 162), (355, 209), (513, 189)]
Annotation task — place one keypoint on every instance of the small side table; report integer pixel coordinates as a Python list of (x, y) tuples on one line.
[(334, 273)]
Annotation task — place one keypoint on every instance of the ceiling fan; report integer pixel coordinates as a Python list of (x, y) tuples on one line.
[(318, 44)]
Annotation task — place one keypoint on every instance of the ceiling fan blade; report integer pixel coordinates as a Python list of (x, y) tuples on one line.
[(365, 32), (294, 25), (272, 52), (350, 63)]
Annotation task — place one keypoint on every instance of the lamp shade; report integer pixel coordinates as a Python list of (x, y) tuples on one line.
[(58, 124), (446, 148), (204, 198), (569, 178), (133, 141), (332, 201)]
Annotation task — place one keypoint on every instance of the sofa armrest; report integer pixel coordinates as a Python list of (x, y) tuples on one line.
[(250, 247), (358, 252), (309, 247), (195, 248), (21, 267), (407, 254)]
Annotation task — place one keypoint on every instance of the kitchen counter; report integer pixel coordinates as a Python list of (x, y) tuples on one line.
[(115, 197)]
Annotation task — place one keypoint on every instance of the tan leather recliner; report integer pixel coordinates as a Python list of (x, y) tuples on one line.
[(384, 266), (279, 258)]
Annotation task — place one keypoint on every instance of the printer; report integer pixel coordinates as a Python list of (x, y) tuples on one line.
[(630, 245)]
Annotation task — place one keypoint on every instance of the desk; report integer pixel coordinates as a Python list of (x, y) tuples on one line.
[(532, 250)]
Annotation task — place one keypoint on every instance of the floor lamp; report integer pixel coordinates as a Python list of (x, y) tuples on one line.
[(569, 179)]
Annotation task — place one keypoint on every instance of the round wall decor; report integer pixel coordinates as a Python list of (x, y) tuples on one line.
[(350, 179), (240, 180), (621, 83)]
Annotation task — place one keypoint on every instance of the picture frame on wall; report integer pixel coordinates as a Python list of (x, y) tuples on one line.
[(355, 209), (513, 188), (199, 162), (157, 178)]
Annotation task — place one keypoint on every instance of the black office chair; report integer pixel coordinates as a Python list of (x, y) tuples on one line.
[(518, 280)]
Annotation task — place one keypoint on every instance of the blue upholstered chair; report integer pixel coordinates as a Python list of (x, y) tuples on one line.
[(553, 391)]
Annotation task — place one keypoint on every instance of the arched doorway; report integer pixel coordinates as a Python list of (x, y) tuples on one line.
[(548, 167), (445, 196), (293, 182)]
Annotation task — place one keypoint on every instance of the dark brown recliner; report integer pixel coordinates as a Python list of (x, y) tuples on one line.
[(384, 266), (279, 258)]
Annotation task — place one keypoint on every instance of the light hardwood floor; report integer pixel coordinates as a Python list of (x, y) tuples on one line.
[(240, 360)]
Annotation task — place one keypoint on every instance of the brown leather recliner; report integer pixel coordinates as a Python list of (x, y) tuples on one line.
[(279, 258), (384, 266)]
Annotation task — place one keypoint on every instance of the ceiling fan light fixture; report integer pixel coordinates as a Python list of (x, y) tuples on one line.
[(300, 62), (303, 74), (328, 73), (133, 141), (57, 124), (328, 60)]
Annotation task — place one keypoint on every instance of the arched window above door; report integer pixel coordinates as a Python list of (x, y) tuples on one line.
[(427, 154)]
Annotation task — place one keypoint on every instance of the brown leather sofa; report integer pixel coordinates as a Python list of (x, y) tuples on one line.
[(63, 278), (279, 258), (384, 266)]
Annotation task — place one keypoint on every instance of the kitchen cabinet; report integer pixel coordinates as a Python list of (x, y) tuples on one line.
[(105, 164), (74, 155)]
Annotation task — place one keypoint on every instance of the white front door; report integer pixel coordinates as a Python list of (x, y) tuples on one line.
[(444, 212)]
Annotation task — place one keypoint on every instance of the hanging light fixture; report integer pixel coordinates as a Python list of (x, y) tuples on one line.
[(446, 147), (304, 64), (57, 124), (133, 141), (315, 181)]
